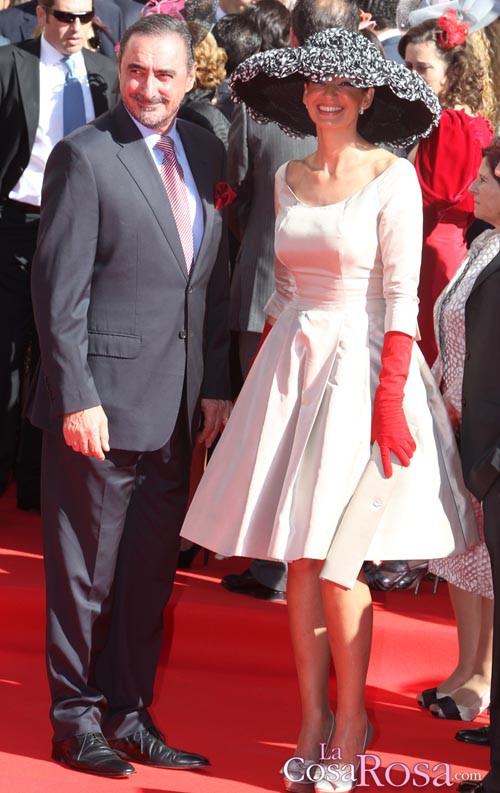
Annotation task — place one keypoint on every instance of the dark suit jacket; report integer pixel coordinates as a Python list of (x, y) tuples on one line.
[(119, 321), (255, 153), (480, 441), (18, 23), (20, 98)]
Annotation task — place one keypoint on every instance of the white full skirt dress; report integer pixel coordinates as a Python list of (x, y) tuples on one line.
[(287, 468)]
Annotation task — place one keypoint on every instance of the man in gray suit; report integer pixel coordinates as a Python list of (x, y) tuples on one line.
[(255, 153), (130, 292)]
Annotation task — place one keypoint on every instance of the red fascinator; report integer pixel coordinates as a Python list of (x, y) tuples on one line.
[(452, 32)]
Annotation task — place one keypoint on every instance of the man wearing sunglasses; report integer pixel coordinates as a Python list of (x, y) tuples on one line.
[(19, 23), (48, 86)]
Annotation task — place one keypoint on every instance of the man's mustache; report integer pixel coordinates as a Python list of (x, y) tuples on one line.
[(150, 100)]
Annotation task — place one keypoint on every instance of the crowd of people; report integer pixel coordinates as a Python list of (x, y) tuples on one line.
[(297, 204)]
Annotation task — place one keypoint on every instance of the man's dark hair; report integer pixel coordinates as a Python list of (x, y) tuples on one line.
[(159, 25), (272, 20), (383, 12), (237, 34), (312, 16)]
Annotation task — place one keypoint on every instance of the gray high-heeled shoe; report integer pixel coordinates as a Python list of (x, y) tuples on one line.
[(295, 777), (341, 781)]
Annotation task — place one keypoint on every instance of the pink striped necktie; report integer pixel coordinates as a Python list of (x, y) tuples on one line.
[(173, 179)]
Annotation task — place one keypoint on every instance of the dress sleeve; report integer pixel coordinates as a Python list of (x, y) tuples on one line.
[(284, 282), (448, 160), (400, 241)]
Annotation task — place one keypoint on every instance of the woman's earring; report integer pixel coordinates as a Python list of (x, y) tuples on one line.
[(361, 111)]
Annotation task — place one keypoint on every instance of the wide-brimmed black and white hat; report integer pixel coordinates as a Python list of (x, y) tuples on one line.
[(271, 84)]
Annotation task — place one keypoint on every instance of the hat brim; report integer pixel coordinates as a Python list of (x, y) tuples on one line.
[(271, 84)]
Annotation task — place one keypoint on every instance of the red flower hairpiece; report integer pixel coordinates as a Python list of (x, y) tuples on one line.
[(172, 8), (452, 31), (224, 195)]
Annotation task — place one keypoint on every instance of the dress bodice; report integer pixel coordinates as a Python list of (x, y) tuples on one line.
[(364, 250)]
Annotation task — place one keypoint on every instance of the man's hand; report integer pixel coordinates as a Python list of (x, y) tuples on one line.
[(86, 431), (215, 414)]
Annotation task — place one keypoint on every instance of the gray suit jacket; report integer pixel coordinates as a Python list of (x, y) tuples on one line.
[(255, 153), (480, 437), (119, 321)]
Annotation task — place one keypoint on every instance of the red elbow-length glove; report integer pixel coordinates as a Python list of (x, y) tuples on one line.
[(389, 426)]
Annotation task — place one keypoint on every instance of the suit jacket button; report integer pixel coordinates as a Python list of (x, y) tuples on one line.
[(467, 355), (464, 402), (190, 290), (182, 334)]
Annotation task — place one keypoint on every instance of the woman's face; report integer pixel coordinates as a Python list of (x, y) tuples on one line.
[(425, 59), (336, 103), (486, 192)]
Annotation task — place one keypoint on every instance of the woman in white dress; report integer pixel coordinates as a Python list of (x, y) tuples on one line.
[(294, 476)]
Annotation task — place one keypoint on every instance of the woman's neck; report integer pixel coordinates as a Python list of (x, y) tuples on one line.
[(336, 147)]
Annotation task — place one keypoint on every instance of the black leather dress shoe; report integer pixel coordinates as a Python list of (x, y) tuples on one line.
[(149, 748), (471, 787), (246, 584), (92, 754), (480, 736)]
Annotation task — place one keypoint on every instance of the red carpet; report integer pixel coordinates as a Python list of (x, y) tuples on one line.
[(229, 688)]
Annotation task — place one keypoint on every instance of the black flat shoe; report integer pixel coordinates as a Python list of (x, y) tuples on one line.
[(427, 697), (480, 736), (246, 584), (471, 787), (148, 747), (91, 754)]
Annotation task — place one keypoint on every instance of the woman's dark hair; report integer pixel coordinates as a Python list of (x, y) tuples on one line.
[(237, 34), (464, 74), (159, 25), (273, 21), (492, 156)]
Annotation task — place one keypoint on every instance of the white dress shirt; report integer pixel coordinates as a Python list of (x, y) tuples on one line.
[(195, 206), (50, 119)]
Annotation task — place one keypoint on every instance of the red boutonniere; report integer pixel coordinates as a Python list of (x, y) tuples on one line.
[(452, 32), (224, 195)]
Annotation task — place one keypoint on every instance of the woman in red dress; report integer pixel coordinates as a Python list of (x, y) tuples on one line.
[(448, 160)]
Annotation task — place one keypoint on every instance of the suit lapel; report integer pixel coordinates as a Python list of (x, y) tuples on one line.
[(135, 157), (201, 173), (488, 270), (28, 70)]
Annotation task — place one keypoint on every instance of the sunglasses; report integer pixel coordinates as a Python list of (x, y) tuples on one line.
[(67, 17)]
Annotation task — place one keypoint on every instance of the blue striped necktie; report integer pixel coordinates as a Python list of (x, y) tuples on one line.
[(73, 104)]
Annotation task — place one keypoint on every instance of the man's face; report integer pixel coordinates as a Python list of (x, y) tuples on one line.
[(66, 38), (154, 77)]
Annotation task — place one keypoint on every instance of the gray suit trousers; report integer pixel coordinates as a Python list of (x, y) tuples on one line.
[(111, 540)]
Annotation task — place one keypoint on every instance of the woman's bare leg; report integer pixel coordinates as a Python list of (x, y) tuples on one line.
[(349, 619), (474, 615), (312, 654)]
